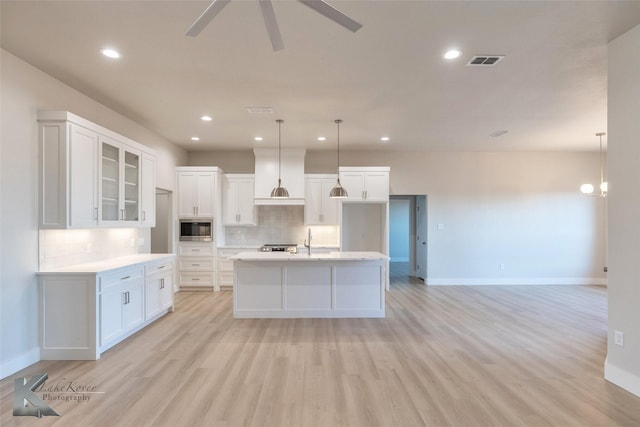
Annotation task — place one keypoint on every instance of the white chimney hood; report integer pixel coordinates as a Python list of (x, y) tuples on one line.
[(291, 173)]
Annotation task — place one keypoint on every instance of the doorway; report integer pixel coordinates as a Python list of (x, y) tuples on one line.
[(408, 236), (161, 234)]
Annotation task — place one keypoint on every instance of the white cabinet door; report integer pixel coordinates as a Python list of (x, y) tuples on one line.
[(148, 191), (166, 291), (369, 185), (238, 201), (133, 314), (319, 208), (353, 182), (206, 191), (246, 208), (83, 177), (119, 184), (376, 186), (152, 296), (196, 194), (111, 308)]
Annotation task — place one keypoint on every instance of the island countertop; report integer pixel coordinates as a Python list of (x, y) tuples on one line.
[(302, 256)]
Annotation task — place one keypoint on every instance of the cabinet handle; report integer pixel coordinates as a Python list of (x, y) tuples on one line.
[(195, 279), (125, 278), (162, 266), (121, 214), (195, 265), (162, 283), (321, 217), (95, 213), (195, 250), (144, 215)]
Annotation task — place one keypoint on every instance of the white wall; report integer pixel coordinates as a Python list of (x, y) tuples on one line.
[(520, 210), (623, 363), (24, 91)]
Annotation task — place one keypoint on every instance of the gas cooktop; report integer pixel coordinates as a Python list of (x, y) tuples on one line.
[(280, 247)]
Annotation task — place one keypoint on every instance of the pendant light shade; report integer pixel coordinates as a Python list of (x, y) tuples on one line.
[(587, 189), (338, 191), (279, 192)]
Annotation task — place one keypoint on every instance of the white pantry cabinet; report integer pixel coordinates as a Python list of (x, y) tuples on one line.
[(89, 308), (319, 208), (196, 192), (90, 176), (237, 200), (369, 184)]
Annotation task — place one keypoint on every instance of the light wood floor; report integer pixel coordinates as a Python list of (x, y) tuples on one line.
[(443, 356)]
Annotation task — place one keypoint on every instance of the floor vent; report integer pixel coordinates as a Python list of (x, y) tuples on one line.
[(484, 60)]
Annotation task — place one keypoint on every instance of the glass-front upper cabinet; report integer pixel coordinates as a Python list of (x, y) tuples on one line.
[(119, 184)]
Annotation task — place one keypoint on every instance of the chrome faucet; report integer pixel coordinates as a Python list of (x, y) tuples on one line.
[(307, 243)]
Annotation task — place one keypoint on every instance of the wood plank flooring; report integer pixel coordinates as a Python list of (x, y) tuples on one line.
[(443, 356)]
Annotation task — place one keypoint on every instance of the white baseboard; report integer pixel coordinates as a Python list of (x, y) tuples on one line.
[(18, 363), (435, 281), (622, 378)]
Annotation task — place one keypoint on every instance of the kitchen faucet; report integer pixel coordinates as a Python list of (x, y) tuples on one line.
[(307, 243)]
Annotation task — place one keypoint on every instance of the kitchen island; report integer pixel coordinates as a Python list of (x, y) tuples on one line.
[(284, 285)]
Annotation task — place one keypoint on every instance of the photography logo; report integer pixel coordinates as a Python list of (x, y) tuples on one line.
[(26, 402)]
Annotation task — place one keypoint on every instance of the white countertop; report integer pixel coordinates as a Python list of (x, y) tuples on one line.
[(302, 256), (106, 265)]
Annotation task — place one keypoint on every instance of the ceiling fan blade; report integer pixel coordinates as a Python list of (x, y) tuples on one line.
[(272, 25), (214, 8), (332, 13)]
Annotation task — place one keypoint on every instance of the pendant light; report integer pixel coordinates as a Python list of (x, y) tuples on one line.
[(338, 192), (279, 192), (587, 189)]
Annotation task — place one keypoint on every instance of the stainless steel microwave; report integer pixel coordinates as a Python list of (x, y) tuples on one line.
[(197, 230)]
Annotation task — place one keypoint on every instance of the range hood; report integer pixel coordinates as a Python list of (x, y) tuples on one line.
[(291, 173)]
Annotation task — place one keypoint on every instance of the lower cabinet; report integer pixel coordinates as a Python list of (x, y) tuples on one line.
[(197, 267), (225, 266), (84, 314), (158, 289)]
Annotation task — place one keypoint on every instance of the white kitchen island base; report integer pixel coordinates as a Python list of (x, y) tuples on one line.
[(341, 284)]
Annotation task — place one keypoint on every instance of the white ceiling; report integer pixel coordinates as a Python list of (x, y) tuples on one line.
[(387, 79)]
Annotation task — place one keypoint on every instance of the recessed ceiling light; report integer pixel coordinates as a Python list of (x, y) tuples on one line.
[(258, 138), (206, 118), (322, 138), (452, 54), (195, 138), (384, 139), (110, 53)]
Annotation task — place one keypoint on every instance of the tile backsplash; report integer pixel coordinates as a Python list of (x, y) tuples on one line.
[(60, 248), (280, 224)]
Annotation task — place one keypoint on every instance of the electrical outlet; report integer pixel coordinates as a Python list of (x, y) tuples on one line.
[(619, 338)]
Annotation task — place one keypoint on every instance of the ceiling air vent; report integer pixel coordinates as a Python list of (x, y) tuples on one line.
[(484, 60), (260, 110)]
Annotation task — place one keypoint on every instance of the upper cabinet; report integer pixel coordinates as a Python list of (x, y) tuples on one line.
[(319, 208), (91, 176), (237, 200), (119, 184), (369, 184), (196, 192)]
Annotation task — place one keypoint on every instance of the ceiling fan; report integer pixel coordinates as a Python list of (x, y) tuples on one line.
[(269, 16)]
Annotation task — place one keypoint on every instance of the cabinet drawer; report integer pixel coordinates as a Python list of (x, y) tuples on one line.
[(116, 278), (160, 266), (226, 253), (196, 250), (196, 264), (196, 279)]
